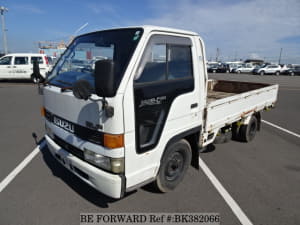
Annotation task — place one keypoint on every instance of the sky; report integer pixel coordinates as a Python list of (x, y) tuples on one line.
[(240, 29)]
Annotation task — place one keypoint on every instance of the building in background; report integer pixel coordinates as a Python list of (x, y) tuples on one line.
[(52, 49)]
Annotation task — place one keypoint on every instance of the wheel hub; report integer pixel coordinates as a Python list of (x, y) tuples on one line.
[(174, 166)]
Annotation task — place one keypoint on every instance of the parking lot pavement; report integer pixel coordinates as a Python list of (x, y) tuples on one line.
[(20, 117), (261, 176), (52, 195)]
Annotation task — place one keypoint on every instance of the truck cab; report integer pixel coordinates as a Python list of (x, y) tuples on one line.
[(135, 109)]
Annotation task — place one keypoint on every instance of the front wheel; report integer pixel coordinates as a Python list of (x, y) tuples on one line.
[(292, 73), (174, 164), (277, 73), (262, 73), (238, 71)]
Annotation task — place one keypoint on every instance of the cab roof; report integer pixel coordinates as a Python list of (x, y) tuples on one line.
[(150, 28)]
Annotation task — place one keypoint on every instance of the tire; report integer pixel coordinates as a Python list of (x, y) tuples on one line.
[(248, 132), (214, 71), (277, 73), (292, 73), (238, 71), (174, 164), (227, 71), (235, 131), (262, 73)]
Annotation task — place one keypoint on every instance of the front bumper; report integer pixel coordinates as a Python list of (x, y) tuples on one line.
[(107, 183)]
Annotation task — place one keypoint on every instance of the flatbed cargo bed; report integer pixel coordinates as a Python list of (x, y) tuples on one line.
[(230, 101)]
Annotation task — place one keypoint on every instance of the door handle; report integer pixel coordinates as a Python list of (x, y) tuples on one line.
[(194, 105)]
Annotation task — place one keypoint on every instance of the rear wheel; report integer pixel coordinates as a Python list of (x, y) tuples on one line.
[(174, 164), (277, 73), (262, 73), (248, 132), (292, 73), (238, 71), (214, 71)]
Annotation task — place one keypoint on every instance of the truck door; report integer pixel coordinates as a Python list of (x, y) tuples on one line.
[(6, 70), (166, 73), (163, 90), (21, 67)]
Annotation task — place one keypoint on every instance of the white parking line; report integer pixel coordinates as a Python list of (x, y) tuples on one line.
[(226, 196), (280, 128), (21, 166)]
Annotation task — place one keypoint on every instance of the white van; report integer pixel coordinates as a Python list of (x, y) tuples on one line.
[(20, 65)]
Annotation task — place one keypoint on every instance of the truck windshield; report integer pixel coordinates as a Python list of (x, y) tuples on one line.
[(78, 61)]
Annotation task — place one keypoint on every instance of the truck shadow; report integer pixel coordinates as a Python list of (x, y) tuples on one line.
[(74, 182)]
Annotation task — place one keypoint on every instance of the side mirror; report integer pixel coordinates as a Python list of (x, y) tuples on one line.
[(104, 78)]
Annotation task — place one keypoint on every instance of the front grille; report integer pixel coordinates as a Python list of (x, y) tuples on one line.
[(90, 135), (82, 132), (69, 148)]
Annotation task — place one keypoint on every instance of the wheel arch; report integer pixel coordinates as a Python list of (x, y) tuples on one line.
[(192, 137)]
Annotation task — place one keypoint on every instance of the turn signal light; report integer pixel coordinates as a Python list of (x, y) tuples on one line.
[(113, 140), (43, 111)]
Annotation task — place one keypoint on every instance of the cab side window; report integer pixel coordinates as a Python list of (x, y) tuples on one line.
[(21, 60), (5, 60), (164, 60), (155, 65), (180, 62)]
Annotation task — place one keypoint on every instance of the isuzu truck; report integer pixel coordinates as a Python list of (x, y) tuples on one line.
[(129, 106)]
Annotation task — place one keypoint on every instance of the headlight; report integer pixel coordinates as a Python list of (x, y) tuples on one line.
[(115, 165), (49, 132)]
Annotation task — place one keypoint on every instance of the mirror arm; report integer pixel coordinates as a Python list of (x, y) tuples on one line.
[(109, 110)]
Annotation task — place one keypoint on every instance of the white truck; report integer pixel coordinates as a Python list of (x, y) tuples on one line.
[(144, 111)]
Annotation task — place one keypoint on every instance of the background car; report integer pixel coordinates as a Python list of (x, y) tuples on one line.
[(292, 71), (257, 68), (218, 68), (270, 69), (245, 68), (212, 68), (233, 66)]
